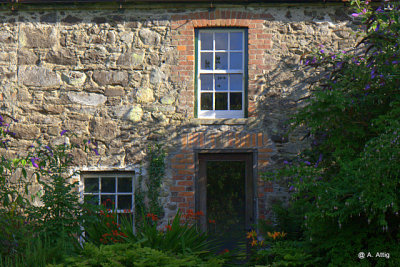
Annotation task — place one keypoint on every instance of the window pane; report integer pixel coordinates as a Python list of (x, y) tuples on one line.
[(221, 82), (221, 101), (107, 185), (206, 81), (125, 184), (91, 185), (236, 41), (221, 41), (125, 202), (206, 40), (108, 201), (236, 82), (206, 101), (236, 101), (236, 61), (91, 199), (221, 61), (206, 61)]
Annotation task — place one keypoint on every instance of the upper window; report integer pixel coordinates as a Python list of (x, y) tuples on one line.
[(113, 190), (221, 72)]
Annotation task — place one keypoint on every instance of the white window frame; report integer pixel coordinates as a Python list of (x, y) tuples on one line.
[(116, 175), (226, 114)]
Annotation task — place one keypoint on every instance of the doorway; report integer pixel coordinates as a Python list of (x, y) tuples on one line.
[(225, 195)]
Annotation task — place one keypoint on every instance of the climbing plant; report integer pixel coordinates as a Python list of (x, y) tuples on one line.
[(156, 171)]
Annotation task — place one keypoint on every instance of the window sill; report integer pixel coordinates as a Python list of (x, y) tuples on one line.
[(241, 121)]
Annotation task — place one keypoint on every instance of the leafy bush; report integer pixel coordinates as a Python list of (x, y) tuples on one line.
[(134, 255), (179, 236), (349, 179)]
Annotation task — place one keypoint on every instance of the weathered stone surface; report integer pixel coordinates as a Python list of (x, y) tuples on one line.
[(61, 57), (6, 37), (27, 132), (103, 78), (90, 99), (38, 37), (168, 100), (135, 114), (103, 129), (27, 57), (116, 91), (132, 59), (144, 95), (74, 78), (38, 76), (156, 76), (149, 37)]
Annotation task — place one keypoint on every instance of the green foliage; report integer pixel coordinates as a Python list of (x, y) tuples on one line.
[(60, 215), (283, 253), (156, 172), (134, 255), (349, 179), (178, 236)]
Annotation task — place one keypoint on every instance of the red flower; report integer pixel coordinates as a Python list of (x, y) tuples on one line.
[(168, 227)]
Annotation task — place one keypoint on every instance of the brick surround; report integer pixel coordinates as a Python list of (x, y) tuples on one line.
[(183, 26), (184, 169)]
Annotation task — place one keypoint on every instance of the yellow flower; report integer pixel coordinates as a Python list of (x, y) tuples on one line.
[(253, 243)]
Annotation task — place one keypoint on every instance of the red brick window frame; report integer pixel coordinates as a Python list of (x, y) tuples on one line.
[(183, 35)]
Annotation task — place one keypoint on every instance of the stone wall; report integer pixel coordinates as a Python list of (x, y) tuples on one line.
[(126, 78)]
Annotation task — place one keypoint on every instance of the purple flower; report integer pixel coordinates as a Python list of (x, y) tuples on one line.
[(373, 75), (377, 27), (285, 162), (291, 188), (395, 62), (367, 87), (63, 132), (333, 56), (34, 164), (355, 15), (307, 162), (307, 62), (322, 51), (95, 151)]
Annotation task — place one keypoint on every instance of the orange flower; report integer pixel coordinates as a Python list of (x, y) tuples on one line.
[(211, 221), (168, 227), (251, 234), (253, 243)]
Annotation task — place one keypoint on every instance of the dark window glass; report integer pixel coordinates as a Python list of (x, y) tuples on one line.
[(125, 202), (124, 184), (236, 101), (91, 185), (107, 185), (206, 101), (221, 101)]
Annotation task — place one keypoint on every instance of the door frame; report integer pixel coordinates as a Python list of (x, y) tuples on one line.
[(247, 155)]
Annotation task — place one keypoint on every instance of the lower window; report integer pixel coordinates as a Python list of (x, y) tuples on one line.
[(113, 190)]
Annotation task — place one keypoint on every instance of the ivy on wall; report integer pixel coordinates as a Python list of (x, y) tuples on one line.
[(156, 171)]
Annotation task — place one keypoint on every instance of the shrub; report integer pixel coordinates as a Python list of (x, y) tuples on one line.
[(134, 255), (349, 179)]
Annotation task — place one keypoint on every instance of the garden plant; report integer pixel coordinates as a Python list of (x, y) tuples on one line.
[(347, 184)]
